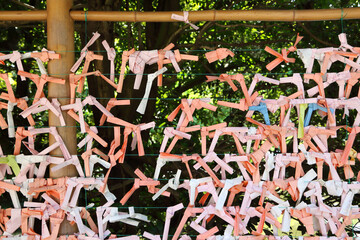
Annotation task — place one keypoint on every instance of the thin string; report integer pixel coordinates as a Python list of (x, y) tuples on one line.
[(157, 98), (167, 179), (298, 237), (247, 236), (97, 126), (146, 154), (166, 99), (181, 50), (198, 74), (161, 207)]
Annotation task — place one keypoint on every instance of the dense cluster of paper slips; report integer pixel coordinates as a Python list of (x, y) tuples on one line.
[(265, 176)]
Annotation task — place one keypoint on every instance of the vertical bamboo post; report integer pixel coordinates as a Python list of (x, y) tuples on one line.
[(60, 38)]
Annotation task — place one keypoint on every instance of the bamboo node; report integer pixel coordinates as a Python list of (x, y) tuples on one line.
[(294, 12)]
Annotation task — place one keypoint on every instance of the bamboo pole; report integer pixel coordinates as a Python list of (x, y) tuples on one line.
[(208, 15), (222, 15), (60, 38), (37, 15)]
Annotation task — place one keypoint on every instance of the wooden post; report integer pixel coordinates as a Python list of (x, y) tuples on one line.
[(60, 38)]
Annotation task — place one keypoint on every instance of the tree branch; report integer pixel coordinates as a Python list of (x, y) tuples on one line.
[(176, 33), (239, 25), (201, 33), (191, 84), (24, 5), (22, 24), (206, 66), (79, 6), (315, 37)]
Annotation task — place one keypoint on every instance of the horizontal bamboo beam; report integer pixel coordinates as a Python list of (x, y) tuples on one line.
[(195, 16), (222, 15), (37, 15)]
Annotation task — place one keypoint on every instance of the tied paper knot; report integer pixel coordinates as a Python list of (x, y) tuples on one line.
[(112, 103), (311, 160), (84, 52), (297, 80), (124, 58), (257, 78), (10, 160), (218, 54), (223, 78), (188, 107), (229, 183), (161, 61), (45, 55), (229, 79), (90, 56), (237, 77), (171, 56), (137, 62), (344, 44), (283, 56), (173, 184), (262, 109), (59, 142), (352, 103), (151, 77), (151, 236), (27, 162), (79, 80), (341, 79), (40, 81), (3, 123), (137, 136), (14, 57), (170, 212), (90, 160), (40, 57), (170, 132), (162, 160), (205, 131), (42, 105), (78, 107), (269, 165), (131, 128), (20, 134), (111, 53), (11, 129), (143, 181), (74, 160), (184, 19)]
